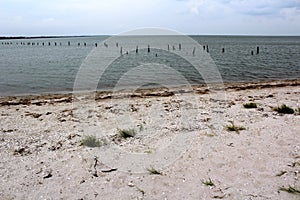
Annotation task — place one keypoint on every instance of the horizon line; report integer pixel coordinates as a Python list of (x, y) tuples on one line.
[(97, 35)]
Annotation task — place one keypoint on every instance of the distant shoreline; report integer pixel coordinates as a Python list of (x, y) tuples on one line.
[(37, 37), (191, 35)]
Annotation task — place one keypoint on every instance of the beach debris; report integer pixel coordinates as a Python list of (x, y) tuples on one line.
[(140, 190), (133, 108), (34, 115), (250, 105), (109, 170), (47, 174), (281, 173), (130, 184), (290, 189), (57, 146), (23, 151), (95, 172)]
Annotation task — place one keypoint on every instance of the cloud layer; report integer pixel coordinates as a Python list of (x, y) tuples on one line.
[(65, 17)]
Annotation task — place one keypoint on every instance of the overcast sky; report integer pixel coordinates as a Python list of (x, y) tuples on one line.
[(97, 17)]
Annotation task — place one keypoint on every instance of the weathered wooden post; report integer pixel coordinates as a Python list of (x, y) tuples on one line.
[(137, 49), (257, 50), (179, 47), (148, 48)]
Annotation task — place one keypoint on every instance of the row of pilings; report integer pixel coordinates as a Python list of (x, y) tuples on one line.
[(169, 47)]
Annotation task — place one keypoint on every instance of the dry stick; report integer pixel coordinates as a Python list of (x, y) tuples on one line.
[(95, 165)]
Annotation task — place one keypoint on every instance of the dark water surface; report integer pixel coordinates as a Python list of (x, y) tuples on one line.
[(37, 68)]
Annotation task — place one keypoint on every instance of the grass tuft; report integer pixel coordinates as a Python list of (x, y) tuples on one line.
[(235, 128), (208, 182), (126, 133), (154, 171), (290, 189), (250, 105), (90, 141), (283, 109)]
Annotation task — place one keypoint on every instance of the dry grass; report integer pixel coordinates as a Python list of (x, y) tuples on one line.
[(91, 141), (234, 128)]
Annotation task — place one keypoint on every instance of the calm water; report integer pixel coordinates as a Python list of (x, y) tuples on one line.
[(29, 69)]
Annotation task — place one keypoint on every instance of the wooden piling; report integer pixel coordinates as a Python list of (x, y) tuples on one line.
[(173, 48), (96, 44), (223, 50), (69, 43), (168, 47), (121, 50), (49, 44), (179, 46), (137, 49), (194, 50), (55, 43), (207, 50), (117, 44), (148, 48), (257, 50), (252, 53), (204, 47)]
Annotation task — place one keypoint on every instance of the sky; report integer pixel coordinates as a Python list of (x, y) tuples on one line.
[(111, 17)]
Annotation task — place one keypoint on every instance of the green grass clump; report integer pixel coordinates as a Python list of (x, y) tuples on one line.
[(290, 189), (250, 105), (90, 141), (283, 109), (154, 171), (127, 133), (235, 128), (208, 182)]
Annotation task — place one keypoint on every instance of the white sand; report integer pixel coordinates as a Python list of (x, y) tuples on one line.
[(41, 155)]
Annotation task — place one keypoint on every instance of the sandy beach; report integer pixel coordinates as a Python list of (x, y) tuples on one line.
[(181, 148)]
